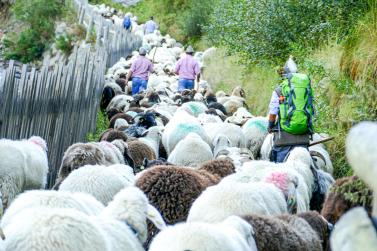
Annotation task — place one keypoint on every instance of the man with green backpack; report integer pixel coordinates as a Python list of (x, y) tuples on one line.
[(291, 113)]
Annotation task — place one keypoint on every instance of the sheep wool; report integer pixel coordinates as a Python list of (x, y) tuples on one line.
[(82, 202), (191, 151), (232, 198), (23, 166), (229, 235), (99, 181)]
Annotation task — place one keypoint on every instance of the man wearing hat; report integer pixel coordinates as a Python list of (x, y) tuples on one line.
[(139, 72), (188, 69)]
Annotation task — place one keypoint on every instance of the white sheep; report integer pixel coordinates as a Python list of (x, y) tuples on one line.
[(255, 131), (268, 197), (120, 226), (233, 132), (240, 116), (231, 234), (23, 166), (99, 181), (194, 108), (178, 127), (191, 151), (354, 230), (152, 138), (82, 202), (298, 165), (208, 118)]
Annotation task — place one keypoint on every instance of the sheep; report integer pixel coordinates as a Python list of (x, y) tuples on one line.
[(120, 226), (178, 127), (205, 118), (362, 153), (346, 193), (239, 156), (220, 144), (152, 138), (23, 166), (81, 154), (138, 151), (233, 132), (255, 131), (191, 151), (298, 164), (355, 231), (100, 181), (320, 156), (121, 115), (320, 225), (237, 198), (121, 125), (311, 237), (240, 116), (194, 108), (173, 189), (266, 147), (121, 102), (220, 167), (273, 233), (82, 202), (231, 234)]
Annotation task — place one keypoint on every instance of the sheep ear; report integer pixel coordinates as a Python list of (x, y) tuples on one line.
[(155, 217)]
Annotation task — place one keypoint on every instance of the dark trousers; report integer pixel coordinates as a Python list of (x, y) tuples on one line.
[(280, 153)]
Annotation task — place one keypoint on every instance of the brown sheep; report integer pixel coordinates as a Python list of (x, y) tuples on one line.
[(219, 167), (320, 225), (173, 189), (120, 115), (345, 194), (140, 151), (112, 134)]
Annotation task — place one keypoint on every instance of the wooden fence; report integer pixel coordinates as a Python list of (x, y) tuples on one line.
[(57, 104), (60, 103), (117, 41)]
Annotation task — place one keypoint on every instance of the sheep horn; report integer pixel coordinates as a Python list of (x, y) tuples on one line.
[(318, 154)]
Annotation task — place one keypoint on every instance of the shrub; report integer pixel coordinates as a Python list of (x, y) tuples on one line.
[(39, 17), (65, 44), (271, 30)]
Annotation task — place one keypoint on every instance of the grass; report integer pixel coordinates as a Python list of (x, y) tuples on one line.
[(101, 125)]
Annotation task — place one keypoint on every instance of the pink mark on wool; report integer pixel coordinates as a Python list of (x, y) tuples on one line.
[(39, 142), (279, 179)]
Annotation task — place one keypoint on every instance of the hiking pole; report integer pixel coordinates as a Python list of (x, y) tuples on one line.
[(154, 54), (321, 141)]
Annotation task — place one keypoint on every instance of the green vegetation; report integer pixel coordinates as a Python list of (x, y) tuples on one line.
[(101, 125), (268, 31), (39, 18)]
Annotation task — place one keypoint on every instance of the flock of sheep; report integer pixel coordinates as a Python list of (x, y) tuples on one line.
[(195, 164)]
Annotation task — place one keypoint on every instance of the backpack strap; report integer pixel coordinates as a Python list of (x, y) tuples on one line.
[(309, 103), (291, 105)]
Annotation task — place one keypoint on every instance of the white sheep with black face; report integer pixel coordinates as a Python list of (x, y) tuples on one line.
[(23, 166), (121, 225), (231, 234)]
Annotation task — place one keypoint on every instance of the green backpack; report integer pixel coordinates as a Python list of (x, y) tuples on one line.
[(296, 104)]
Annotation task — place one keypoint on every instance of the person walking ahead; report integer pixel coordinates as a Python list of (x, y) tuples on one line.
[(150, 26), (291, 112), (187, 68), (139, 72)]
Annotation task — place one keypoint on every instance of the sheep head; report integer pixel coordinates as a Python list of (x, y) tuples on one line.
[(131, 206), (39, 142), (287, 184)]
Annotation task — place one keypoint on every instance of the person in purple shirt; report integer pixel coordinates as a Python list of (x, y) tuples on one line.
[(139, 72), (188, 69), (150, 26)]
